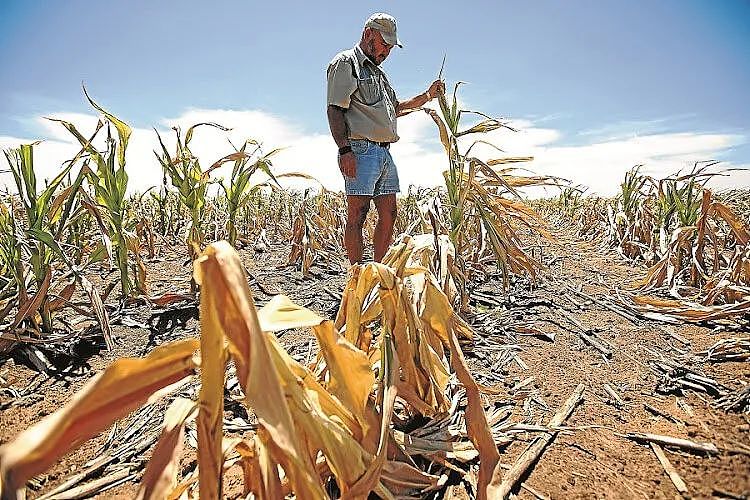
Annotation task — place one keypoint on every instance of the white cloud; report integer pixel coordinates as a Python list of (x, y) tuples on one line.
[(419, 155), (601, 166)]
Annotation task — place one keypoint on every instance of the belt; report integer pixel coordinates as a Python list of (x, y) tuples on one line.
[(385, 145)]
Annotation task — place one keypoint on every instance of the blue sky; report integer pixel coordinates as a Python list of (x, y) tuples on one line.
[(574, 75)]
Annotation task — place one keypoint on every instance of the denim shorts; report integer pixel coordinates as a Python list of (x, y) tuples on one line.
[(376, 172)]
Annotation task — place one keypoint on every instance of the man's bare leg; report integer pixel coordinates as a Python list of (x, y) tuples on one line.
[(386, 205), (356, 212)]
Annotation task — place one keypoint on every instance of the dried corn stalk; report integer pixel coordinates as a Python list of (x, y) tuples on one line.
[(706, 269), (389, 357)]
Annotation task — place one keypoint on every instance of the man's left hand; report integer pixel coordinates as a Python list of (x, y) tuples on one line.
[(436, 88)]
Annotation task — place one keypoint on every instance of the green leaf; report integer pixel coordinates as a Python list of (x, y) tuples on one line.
[(49, 240), (27, 169), (123, 131)]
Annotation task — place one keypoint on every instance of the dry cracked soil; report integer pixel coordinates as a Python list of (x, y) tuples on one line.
[(529, 354)]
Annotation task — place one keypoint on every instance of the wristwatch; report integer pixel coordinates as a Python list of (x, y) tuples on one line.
[(345, 149)]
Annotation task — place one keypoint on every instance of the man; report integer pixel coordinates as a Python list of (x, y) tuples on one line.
[(362, 111)]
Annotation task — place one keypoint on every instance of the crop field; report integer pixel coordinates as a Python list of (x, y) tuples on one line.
[(207, 338)]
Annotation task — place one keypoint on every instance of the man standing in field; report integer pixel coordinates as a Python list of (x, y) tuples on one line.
[(362, 111)]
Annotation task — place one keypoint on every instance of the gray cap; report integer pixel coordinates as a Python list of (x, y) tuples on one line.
[(386, 25)]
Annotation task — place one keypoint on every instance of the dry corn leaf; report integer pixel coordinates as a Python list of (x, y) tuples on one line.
[(390, 366), (125, 385), (280, 313), (227, 308), (99, 311), (213, 366), (31, 306), (160, 477), (351, 377), (443, 131), (62, 297), (169, 298)]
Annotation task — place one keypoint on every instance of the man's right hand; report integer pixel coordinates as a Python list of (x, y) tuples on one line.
[(348, 164)]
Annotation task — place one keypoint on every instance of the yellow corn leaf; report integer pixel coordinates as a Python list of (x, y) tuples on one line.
[(210, 416), (321, 424), (54, 212), (390, 364), (739, 228), (444, 138), (184, 490), (360, 284), (169, 298), (134, 247), (227, 308), (160, 477), (122, 387), (280, 313), (319, 419), (481, 127), (300, 175), (238, 155), (249, 461), (269, 471), (477, 428), (351, 376), (516, 159), (123, 130)]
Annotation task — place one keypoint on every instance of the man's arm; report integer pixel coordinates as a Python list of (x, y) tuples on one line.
[(337, 124), (437, 87), (340, 134)]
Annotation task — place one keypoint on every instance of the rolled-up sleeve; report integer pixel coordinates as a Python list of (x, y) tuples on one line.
[(341, 82)]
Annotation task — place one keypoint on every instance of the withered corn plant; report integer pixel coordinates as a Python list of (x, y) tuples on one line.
[(738, 200), (648, 211), (632, 219), (318, 228), (305, 243), (482, 200), (336, 420), (418, 212), (707, 262)]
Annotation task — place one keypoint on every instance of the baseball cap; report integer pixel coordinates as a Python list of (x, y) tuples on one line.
[(386, 25)]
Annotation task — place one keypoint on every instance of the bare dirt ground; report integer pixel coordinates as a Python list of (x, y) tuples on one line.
[(532, 331)]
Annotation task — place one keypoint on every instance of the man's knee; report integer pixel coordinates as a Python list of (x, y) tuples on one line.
[(392, 212), (387, 210), (357, 215)]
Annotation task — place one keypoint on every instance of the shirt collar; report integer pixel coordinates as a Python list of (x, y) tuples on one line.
[(362, 57)]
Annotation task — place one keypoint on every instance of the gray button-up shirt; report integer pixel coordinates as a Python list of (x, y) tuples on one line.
[(359, 86)]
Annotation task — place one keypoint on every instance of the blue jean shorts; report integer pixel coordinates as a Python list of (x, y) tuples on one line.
[(376, 172)]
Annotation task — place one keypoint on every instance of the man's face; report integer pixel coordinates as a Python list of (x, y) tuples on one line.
[(376, 46)]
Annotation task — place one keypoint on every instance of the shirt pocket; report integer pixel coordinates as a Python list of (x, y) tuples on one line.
[(369, 90)]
